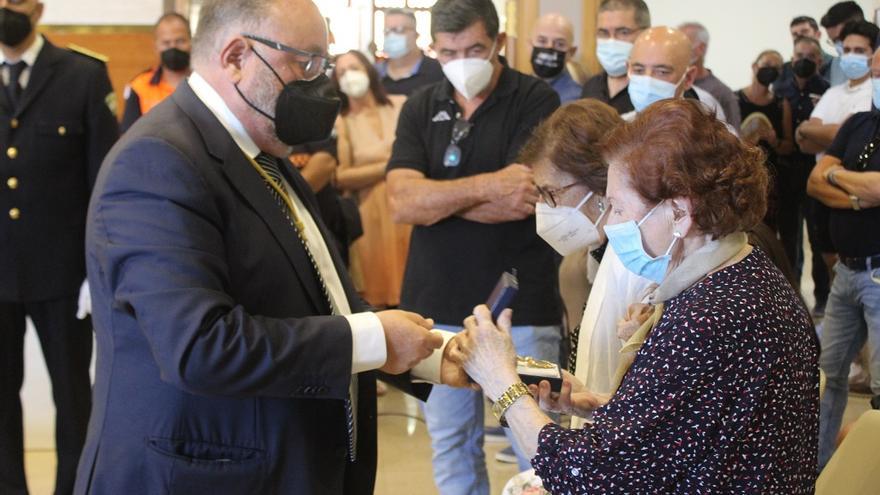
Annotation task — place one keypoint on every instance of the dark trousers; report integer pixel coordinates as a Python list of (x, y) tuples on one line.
[(818, 216), (67, 349), (794, 206), (791, 188)]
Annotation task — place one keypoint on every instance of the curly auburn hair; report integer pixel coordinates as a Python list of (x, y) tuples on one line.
[(569, 140), (676, 148)]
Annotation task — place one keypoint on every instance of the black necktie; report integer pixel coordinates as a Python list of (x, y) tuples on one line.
[(13, 87), (269, 164)]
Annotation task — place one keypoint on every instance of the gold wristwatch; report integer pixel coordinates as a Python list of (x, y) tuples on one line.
[(511, 395)]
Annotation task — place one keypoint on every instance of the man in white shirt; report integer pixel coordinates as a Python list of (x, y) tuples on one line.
[(234, 355), (843, 100)]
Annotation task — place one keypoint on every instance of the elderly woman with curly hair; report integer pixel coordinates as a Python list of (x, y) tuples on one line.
[(722, 391)]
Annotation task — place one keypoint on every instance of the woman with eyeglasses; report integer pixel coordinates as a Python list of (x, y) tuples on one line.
[(721, 392), (365, 132), (570, 175)]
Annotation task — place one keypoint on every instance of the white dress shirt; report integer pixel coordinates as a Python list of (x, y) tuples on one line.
[(29, 57), (368, 337)]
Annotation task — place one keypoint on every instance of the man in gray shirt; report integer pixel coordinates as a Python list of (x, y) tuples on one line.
[(707, 81)]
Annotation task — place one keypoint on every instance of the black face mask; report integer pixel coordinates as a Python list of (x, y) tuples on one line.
[(804, 68), (547, 62), (175, 59), (14, 27), (305, 111), (766, 75)]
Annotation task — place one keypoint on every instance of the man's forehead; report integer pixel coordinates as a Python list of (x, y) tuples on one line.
[(618, 17), (301, 27), (473, 34), (399, 19), (553, 32)]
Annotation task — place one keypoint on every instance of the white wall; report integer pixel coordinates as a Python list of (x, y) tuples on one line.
[(741, 30), (102, 12)]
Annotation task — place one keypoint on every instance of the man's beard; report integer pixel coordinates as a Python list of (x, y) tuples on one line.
[(264, 93)]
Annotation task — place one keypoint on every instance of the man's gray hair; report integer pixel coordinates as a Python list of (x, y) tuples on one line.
[(700, 30), (404, 12), (218, 17), (642, 14)]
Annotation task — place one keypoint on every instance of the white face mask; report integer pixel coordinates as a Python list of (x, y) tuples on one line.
[(567, 229), (354, 83), (469, 76)]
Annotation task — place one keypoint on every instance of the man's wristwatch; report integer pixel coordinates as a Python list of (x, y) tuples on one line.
[(854, 201), (511, 395)]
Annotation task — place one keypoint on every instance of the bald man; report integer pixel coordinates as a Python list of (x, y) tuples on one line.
[(705, 79), (234, 354), (660, 67), (552, 48)]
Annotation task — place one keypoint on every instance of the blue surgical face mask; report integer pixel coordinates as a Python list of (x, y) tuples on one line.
[(838, 47), (854, 66), (645, 90), (626, 240), (613, 54), (876, 96), (396, 45)]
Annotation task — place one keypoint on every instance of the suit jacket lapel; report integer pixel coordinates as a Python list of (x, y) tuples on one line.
[(41, 74), (304, 191), (253, 189)]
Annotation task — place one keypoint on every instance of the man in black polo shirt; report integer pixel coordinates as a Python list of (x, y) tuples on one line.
[(847, 179), (453, 175), (407, 68), (618, 24)]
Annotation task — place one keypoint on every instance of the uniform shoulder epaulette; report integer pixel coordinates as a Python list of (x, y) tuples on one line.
[(88, 53)]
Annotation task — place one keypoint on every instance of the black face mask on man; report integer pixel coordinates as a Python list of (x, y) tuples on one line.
[(14, 27), (766, 75), (305, 111), (175, 59), (547, 62), (804, 68)]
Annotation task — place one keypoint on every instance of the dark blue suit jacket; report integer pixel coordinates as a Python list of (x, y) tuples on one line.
[(217, 371)]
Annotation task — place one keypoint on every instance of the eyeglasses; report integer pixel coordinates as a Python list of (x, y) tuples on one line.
[(316, 64), (460, 130), (550, 196)]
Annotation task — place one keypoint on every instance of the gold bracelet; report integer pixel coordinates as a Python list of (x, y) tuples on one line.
[(507, 399)]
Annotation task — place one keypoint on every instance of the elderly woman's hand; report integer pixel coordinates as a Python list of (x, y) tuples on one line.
[(488, 353), (573, 398)]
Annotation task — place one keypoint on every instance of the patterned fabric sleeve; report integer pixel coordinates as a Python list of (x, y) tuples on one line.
[(687, 399)]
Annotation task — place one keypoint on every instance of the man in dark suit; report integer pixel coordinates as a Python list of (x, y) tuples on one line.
[(234, 355), (56, 126)]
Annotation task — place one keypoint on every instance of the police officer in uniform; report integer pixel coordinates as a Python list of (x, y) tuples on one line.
[(56, 124)]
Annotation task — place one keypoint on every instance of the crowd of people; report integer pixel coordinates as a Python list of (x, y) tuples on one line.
[(277, 228)]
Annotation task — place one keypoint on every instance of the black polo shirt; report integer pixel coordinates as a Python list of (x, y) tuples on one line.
[(596, 87), (856, 233), (802, 102), (428, 72), (454, 264)]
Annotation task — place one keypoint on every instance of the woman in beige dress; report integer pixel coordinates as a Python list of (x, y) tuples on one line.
[(365, 130)]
